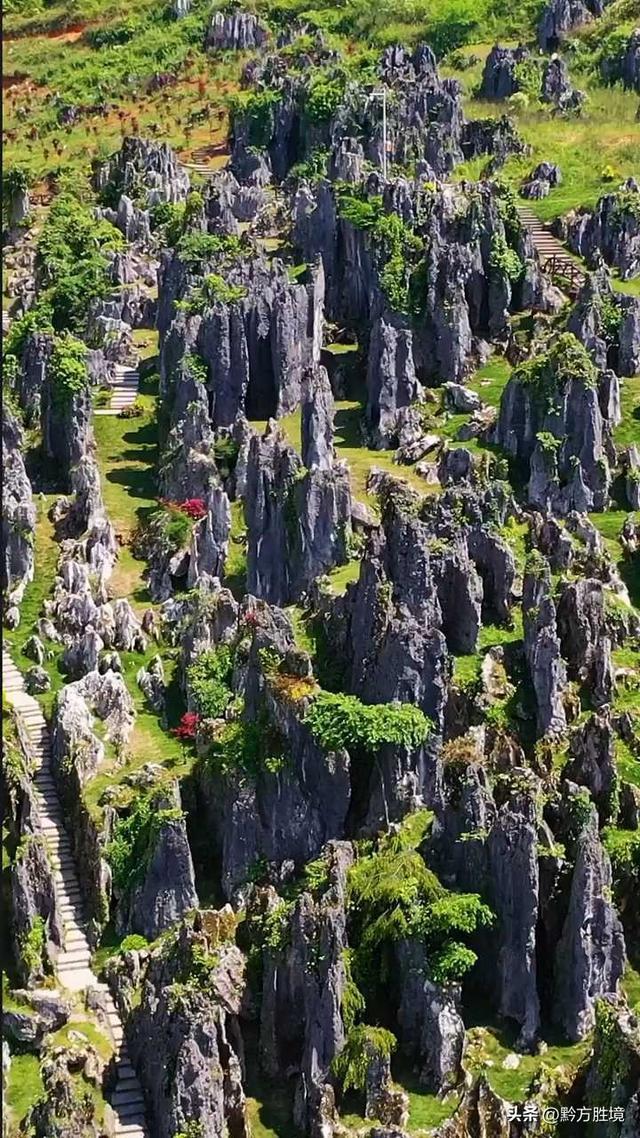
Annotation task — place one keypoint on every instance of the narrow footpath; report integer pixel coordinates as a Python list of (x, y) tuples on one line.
[(124, 391), (73, 966)]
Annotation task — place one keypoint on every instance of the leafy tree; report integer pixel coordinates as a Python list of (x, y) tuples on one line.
[(209, 681), (68, 368), (393, 896)]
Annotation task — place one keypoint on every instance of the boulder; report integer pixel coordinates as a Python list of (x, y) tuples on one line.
[(18, 514)]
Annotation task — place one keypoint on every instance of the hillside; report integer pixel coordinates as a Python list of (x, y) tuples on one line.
[(321, 569)]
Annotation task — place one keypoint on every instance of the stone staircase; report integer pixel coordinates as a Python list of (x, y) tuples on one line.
[(555, 259), (124, 391), (73, 966)]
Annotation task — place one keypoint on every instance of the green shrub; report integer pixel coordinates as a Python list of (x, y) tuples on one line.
[(68, 369), (392, 895), (134, 840), (32, 946), (323, 99), (134, 943), (256, 111), (197, 248), (505, 259), (549, 373), (170, 218), (71, 261), (336, 720), (209, 681), (247, 748), (213, 288), (363, 1045)]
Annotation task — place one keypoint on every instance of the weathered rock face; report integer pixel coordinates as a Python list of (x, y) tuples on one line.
[(66, 425), (592, 763), (500, 75), (32, 374), (514, 873), (235, 31), (611, 231), (298, 523), (557, 89), (391, 379), (541, 180), (554, 422), (465, 294), (285, 805), (30, 878), (139, 162), (256, 348), (583, 634), (387, 628), (18, 513), (63, 1111), (590, 966), (431, 1028), (196, 1036), (303, 990), (561, 16), (542, 649), (317, 420), (624, 66), (210, 539), (616, 1033), (40, 1013), (168, 889)]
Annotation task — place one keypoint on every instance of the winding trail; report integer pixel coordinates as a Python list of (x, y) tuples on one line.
[(124, 392), (73, 966)]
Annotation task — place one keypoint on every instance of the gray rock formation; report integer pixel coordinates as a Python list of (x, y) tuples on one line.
[(557, 89), (583, 634), (500, 74), (196, 1037), (550, 416), (142, 163), (624, 65), (235, 31), (18, 514), (560, 17), (65, 418), (592, 763), (590, 957), (210, 539), (298, 523), (514, 875), (431, 1028), (304, 985), (391, 379), (612, 231), (168, 889), (317, 420), (542, 648)]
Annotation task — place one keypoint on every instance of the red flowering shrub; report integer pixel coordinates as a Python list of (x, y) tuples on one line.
[(193, 507), (188, 726)]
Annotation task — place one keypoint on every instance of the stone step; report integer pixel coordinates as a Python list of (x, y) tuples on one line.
[(123, 1098), (134, 1131), (131, 1083)]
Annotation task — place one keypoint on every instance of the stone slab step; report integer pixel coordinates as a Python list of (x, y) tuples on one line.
[(129, 1098), (131, 1083)]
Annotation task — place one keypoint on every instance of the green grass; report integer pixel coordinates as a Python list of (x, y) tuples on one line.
[(606, 134), (91, 1033), (628, 430), (631, 987), (489, 1047), (235, 577), (127, 451), (24, 1086), (490, 380)]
